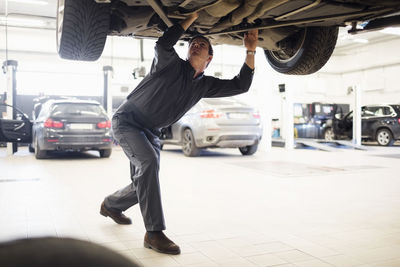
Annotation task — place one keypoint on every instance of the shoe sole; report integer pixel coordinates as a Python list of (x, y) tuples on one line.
[(147, 245)]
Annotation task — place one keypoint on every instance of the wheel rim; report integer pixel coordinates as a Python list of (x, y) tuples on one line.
[(383, 137), (329, 135), (187, 142), (286, 55), (60, 19)]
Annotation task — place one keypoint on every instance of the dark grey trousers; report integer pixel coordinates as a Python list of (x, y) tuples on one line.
[(142, 148)]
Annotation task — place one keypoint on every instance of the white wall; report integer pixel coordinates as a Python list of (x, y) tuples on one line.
[(41, 70)]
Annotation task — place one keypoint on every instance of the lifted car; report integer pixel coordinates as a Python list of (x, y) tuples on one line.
[(298, 36)]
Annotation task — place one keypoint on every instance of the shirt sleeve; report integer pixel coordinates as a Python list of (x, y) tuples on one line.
[(164, 49), (238, 85)]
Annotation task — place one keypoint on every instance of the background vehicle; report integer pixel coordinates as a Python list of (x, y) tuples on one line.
[(18, 130), (71, 125), (380, 123), (315, 120), (298, 36), (216, 122)]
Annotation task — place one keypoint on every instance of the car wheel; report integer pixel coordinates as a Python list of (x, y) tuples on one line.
[(329, 135), (384, 137), (39, 154), (105, 153), (304, 52), (248, 150), (31, 148), (188, 144), (82, 28)]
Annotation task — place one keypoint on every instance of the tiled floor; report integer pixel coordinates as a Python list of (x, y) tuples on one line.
[(299, 208)]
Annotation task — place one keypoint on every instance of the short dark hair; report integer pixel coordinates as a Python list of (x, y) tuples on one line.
[(210, 49)]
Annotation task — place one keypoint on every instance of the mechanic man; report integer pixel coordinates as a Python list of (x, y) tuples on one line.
[(171, 88)]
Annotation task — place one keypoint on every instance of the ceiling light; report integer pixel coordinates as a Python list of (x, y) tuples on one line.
[(33, 2), (391, 30)]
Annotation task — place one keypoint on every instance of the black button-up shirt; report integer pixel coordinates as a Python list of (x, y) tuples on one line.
[(170, 90)]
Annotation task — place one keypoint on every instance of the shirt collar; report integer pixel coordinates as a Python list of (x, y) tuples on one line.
[(193, 71)]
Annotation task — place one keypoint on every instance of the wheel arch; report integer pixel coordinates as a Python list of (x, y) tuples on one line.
[(187, 127)]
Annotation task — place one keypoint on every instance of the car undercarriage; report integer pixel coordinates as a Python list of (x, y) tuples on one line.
[(298, 37)]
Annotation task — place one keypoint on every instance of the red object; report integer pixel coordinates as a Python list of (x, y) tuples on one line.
[(52, 140), (210, 114), (398, 120), (107, 140), (49, 123), (104, 124), (256, 114)]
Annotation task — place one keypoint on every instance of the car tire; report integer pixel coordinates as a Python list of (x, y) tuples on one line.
[(189, 147), (39, 154), (31, 148), (105, 153), (82, 28), (304, 52), (384, 137), (248, 150), (328, 134)]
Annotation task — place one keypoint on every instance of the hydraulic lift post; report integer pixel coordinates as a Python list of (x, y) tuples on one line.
[(107, 97), (10, 70)]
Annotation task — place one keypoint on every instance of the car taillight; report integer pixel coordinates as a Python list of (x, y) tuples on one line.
[(104, 125), (49, 123), (256, 114), (210, 114)]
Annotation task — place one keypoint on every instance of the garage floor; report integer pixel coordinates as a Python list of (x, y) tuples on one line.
[(298, 208)]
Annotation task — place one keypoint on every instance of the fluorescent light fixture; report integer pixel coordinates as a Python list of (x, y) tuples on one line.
[(391, 30), (33, 2)]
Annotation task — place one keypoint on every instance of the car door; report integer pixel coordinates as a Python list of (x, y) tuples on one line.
[(369, 117), (19, 130), (343, 127)]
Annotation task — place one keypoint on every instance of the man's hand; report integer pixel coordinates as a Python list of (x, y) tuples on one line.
[(250, 40), (189, 20)]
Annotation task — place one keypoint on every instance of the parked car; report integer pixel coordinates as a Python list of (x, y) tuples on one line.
[(380, 123), (216, 122), (65, 124), (298, 37), (315, 120), (71, 125)]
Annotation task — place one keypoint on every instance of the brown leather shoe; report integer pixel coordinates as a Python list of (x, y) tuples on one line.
[(119, 218), (160, 243)]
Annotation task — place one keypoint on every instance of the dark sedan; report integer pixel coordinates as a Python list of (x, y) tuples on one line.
[(380, 123), (71, 125)]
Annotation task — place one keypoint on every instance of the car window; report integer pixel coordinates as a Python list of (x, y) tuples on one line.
[(77, 109), (387, 111), (377, 111), (43, 111)]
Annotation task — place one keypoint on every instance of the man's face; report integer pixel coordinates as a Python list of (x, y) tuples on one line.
[(198, 52)]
